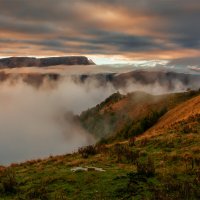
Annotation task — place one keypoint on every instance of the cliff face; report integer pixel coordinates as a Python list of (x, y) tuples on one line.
[(13, 62)]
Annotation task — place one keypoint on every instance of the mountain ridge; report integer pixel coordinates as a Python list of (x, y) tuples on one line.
[(120, 116), (13, 62)]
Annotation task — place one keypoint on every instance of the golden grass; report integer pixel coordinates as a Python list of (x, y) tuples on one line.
[(179, 113)]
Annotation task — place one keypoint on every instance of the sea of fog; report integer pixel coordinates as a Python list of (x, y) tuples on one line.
[(36, 122)]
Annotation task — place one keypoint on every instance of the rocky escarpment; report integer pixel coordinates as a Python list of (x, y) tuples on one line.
[(13, 62)]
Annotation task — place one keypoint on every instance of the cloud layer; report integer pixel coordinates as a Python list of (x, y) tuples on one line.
[(146, 29), (36, 123), (36, 116)]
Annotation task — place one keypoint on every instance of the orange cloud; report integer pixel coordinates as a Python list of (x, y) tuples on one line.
[(149, 29)]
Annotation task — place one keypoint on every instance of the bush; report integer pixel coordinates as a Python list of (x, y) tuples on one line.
[(8, 181), (60, 195), (124, 153), (101, 148), (187, 129), (136, 188), (143, 142), (131, 141), (87, 151), (38, 192), (146, 168)]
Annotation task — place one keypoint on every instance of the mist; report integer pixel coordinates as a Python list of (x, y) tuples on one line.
[(36, 122)]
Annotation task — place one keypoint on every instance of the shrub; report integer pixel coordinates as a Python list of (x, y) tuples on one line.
[(119, 151), (87, 151), (8, 181), (101, 148), (136, 187), (187, 129), (131, 141), (124, 153), (146, 168), (60, 195), (144, 142), (38, 192)]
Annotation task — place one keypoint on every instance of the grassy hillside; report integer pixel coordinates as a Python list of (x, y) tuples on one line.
[(118, 114), (164, 166), (178, 116)]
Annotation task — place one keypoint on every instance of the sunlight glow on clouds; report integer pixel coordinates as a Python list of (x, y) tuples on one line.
[(114, 60), (133, 30)]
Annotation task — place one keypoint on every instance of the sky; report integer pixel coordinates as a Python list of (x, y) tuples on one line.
[(107, 31)]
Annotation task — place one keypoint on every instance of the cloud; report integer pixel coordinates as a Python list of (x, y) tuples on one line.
[(194, 68), (38, 122), (133, 29), (37, 114)]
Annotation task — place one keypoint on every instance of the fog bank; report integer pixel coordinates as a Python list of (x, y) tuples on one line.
[(39, 122), (36, 122)]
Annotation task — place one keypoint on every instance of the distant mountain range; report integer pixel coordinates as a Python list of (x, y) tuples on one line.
[(13, 62), (170, 81)]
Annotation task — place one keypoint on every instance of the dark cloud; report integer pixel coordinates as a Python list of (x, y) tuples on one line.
[(121, 41), (9, 24), (161, 28)]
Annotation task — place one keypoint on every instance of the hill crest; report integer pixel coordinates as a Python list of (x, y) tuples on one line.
[(13, 62)]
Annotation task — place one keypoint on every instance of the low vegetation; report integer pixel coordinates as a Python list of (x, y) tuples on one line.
[(87, 151), (137, 127), (158, 170)]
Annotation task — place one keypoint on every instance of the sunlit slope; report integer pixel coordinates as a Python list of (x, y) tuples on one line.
[(182, 117), (118, 111)]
